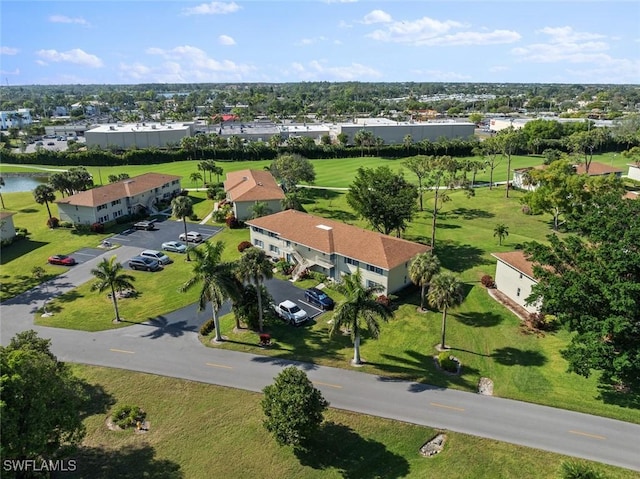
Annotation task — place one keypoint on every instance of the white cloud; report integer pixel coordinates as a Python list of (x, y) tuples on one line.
[(310, 41), (564, 45), (499, 68), (432, 32), (376, 16), (185, 64), (226, 40), (319, 70), (65, 19), (7, 72), (568, 35), (8, 51), (213, 8), (76, 56)]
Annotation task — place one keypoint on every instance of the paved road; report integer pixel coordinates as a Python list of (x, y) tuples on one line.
[(169, 346)]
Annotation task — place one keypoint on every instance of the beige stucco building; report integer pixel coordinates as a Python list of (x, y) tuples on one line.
[(514, 278), (138, 135), (107, 203), (335, 248), (245, 188)]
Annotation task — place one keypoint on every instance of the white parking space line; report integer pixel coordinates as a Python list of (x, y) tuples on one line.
[(312, 306), (86, 254), (119, 238)]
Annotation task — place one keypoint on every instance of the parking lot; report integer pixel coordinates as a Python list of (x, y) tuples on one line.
[(165, 230)]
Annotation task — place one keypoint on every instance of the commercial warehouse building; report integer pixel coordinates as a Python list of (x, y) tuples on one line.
[(138, 135)]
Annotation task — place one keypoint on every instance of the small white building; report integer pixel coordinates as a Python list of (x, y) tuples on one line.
[(335, 249), (521, 180), (634, 171), (105, 204), (514, 278), (7, 228), (245, 188)]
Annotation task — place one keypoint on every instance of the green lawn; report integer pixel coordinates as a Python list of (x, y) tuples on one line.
[(199, 430)]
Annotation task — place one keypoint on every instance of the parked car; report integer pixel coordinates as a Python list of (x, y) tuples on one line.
[(145, 225), (317, 297), (51, 143), (61, 259), (192, 236), (291, 313), (174, 246), (157, 255), (145, 264)]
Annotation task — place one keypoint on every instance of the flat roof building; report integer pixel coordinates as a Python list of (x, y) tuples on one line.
[(138, 135)]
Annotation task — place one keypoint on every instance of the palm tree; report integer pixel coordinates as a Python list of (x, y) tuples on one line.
[(43, 194), (195, 177), (445, 292), (109, 276), (215, 278), (421, 270), (359, 304), (255, 266), (182, 207), (501, 231)]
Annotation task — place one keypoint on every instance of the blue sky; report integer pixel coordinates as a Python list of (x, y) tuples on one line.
[(144, 41)]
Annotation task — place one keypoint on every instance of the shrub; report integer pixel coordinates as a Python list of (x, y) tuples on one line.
[(232, 222), (526, 210), (53, 222), (193, 217), (220, 215), (66, 224), (97, 228), (82, 228), (384, 300), (578, 470), (21, 233), (487, 281), (284, 267), (244, 245), (542, 322), (128, 416), (446, 362), (318, 276), (207, 327)]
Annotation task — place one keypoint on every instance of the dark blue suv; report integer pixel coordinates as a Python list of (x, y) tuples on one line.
[(315, 296)]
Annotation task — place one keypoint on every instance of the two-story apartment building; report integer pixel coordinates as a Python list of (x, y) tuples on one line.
[(335, 248), (245, 188), (107, 203), (514, 277)]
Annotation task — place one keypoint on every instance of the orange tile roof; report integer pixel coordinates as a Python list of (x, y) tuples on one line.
[(329, 236), (252, 185), (121, 189), (518, 260), (6, 214), (596, 169), (632, 195)]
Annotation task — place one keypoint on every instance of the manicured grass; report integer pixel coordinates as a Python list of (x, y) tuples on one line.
[(199, 430)]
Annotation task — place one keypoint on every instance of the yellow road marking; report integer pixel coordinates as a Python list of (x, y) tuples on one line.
[(594, 436), (327, 384), (122, 351), (219, 366), (447, 407)]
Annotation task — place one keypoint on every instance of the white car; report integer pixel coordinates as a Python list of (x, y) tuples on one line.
[(159, 256), (192, 236), (174, 246), (290, 312)]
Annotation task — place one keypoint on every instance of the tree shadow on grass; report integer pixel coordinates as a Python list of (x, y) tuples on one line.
[(19, 248), (338, 447), (511, 357), (130, 462), (478, 319), (335, 214), (315, 194), (99, 401), (622, 399), (469, 213), (458, 257)]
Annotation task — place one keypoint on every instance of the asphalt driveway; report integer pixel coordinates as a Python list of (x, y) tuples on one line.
[(165, 230)]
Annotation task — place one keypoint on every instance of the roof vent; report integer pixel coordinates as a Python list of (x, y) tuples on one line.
[(260, 183), (324, 227)]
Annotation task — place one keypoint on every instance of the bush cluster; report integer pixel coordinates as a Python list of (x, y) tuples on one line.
[(97, 227), (487, 281), (207, 327), (53, 222), (128, 416), (243, 245), (446, 362), (232, 222), (384, 300)]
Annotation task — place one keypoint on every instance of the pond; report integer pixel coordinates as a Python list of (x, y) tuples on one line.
[(17, 183)]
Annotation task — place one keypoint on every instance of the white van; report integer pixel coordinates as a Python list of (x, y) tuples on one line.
[(159, 256)]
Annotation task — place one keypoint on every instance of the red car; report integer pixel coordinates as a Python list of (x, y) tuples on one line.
[(62, 259)]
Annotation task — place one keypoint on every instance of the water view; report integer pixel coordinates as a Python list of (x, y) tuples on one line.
[(17, 183)]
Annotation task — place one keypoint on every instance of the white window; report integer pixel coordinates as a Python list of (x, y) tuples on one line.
[(258, 243), (518, 292)]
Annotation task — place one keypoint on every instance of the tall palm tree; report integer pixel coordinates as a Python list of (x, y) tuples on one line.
[(214, 277), (359, 304), (501, 231), (195, 177), (421, 270), (254, 266), (43, 194), (109, 276), (445, 292), (182, 207)]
